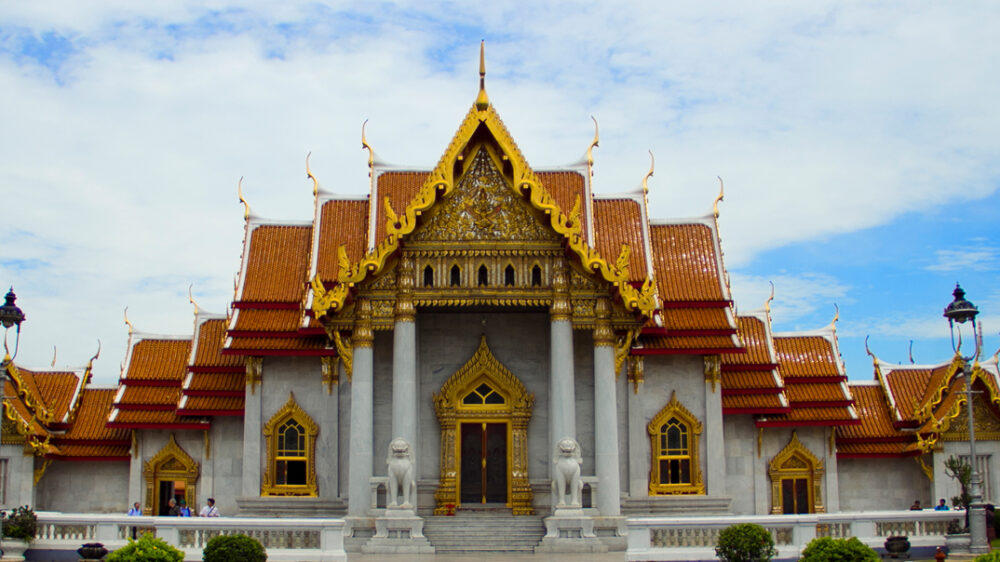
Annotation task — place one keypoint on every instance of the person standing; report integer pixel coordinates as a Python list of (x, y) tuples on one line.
[(174, 510), (185, 511), (209, 510), (135, 510), (941, 506)]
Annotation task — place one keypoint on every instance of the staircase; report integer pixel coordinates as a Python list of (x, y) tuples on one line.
[(484, 531)]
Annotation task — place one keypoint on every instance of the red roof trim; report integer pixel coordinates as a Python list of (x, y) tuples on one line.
[(806, 379), (216, 370), (151, 382), (193, 425), (755, 410), (210, 412), (109, 443), (877, 455), (789, 423), (750, 391), (262, 334), (266, 305), (694, 351), (864, 440), (696, 304), (282, 352), (312, 331), (831, 404), (736, 367), (225, 393)]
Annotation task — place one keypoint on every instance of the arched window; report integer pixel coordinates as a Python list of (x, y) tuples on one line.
[(456, 276), (508, 276), (291, 452), (484, 276), (674, 465), (428, 276), (482, 395), (536, 276)]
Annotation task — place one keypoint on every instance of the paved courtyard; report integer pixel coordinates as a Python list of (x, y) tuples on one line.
[(492, 556)]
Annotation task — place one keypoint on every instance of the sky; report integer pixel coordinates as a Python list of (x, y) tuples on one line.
[(857, 142)]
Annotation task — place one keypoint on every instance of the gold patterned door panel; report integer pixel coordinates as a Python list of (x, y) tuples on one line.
[(483, 451)]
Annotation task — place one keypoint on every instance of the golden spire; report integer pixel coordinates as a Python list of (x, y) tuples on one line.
[(767, 303), (310, 175), (131, 328), (645, 180), (590, 149), (246, 206), (96, 355), (482, 100), (836, 314), (368, 147), (722, 193), (54, 356), (191, 298)]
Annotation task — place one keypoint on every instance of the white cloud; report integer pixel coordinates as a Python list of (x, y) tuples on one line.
[(796, 297), (981, 258)]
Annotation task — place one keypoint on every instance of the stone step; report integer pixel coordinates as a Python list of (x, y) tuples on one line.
[(484, 532)]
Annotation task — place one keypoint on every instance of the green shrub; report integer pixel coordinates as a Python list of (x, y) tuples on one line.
[(147, 549), (745, 543), (826, 549), (991, 557), (20, 523), (234, 548)]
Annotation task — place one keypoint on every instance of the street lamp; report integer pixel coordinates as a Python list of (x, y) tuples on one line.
[(10, 315), (959, 312)]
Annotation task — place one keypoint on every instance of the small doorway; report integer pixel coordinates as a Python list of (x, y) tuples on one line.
[(484, 462), (795, 495), (170, 489)]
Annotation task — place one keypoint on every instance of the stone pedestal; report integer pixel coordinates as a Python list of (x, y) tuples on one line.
[(569, 530), (398, 531)]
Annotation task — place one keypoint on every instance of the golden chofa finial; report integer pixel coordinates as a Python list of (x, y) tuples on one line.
[(722, 193), (310, 175), (131, 328), (191, 298), (590, 149), (482, 100), (96, 355), (54, 351), (836, 314), (645, 180), (767, 303), (368, 147), (246, 206)]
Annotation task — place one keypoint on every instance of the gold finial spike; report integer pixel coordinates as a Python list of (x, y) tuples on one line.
[(246, 206), (722, 193), (98, 354), (590, 149), (310, 175), (911, 353), (368, 147), (645, 180), (767, 303), (131, 328), (482, 100), (836, 314), (54, 356), (868, 349), (191, 298)]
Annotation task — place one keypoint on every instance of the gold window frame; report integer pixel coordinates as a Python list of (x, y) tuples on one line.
[(674, 409), (290, 411)]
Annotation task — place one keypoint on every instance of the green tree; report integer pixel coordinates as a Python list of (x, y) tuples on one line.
[(234, 548), (961, 471), (826, 549), (745, 542), (147, 549)]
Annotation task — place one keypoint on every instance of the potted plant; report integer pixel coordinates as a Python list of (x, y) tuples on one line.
[(19, 527)]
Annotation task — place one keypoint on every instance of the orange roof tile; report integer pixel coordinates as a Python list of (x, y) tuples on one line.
[(806, 356), (714, 318), (95, 405), (266, 320), (760, 403), (212, 405), (804, 416), (150, 395), (276, 264), (565, 187), (651, 345), (230, 382), (685, 262), (91, 451), (617, 222), (55, 389), (304, 343), (910, 386), (818, 392), (342, 222), (860, 449), (743, 380), (211, 337), (876, 421), (754, 336), (400, 188), (140, 418), (158, 360)]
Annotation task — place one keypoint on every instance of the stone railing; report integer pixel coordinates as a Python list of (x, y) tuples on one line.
[(694, 538), (284, 539)]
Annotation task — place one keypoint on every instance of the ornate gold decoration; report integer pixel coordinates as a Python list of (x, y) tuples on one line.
[(482, 100), (636, 371), (36, 407), (346, 352), (40, 468), (590, 149), (405, 311), (675, 412), (796, 461), (925, 468), (516, 410), (956, 428), (363, 334), (560, 309), (713, 369), (208, 445), (331, 376), (13, 432), (239, 193), (171, 464), (603, 336), (482, 117), (760, 441), (290, 410), (623, 344), (255, 371)]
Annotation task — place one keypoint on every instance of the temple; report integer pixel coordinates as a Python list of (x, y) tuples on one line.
[(477, 329)]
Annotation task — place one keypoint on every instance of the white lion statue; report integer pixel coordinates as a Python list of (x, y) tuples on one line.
[(400, 469), (567, 483)]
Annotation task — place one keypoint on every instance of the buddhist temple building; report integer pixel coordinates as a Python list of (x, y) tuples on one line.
[(484, 311)]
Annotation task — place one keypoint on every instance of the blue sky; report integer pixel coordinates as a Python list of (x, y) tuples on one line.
[(857, 143)]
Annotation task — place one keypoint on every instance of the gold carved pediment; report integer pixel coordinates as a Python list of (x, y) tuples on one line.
[(483, 208), (986, 422)]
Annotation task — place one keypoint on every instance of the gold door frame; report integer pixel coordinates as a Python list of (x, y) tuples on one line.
[(796, 461), (483, 367), (458, 451), (173, 464)]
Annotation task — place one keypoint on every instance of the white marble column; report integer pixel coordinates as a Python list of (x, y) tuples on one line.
[(715, 447), (404, 360), (608, 497), (639, 453), (562, 400), (252, 428), (361, 460)]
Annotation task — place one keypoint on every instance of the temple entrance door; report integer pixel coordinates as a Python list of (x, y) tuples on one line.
[(483, 462)]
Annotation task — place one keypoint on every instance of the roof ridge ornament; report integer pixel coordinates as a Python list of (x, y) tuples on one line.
[(54, 351), (722, 194), (191, 299), (310, 175), (131, 328), (590, 149), (482, 100), (246, 206), (767, 303), (368, 147), (645, 180)]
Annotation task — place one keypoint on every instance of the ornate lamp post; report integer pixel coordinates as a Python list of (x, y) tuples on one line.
[(10, 316), (959, 312)]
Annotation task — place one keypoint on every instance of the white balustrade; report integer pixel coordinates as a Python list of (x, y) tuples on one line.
[(284, 539), (694, 538)]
